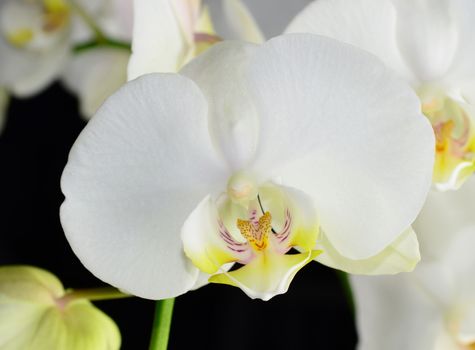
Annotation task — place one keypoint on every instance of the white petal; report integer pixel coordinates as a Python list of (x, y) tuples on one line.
[(135, 173), (268, 275), (467, 326), (367, 24), (401, 256), (94, 75), (426, 35), (336, 124), (158, 44), (444, 215), (462, 69), (232, 116), (241, 21), (25, 73), (460, 261), (204, 239), (394, 314)]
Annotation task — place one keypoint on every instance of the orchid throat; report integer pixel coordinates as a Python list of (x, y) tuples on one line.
[(255, 226)]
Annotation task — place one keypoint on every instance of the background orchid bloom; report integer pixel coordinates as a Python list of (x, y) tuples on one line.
[(430, 44), (34, 43), (432, 308), (169, 33), (37, 314), (249, 151), (94, 73), (38, 40)]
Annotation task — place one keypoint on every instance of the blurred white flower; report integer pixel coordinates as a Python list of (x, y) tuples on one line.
[(96, 71), (169, 33), (37, 40), (174, 32), (34, 43), (432, 308), (232, 159), (430, 44), (37, 313)]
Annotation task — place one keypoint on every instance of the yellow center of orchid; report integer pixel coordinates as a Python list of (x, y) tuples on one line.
[(256, 234), (455, 138), (56, 15), (243, 230), (34, 25)]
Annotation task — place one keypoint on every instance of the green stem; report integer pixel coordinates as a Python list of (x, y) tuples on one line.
[(99, 34), (104, 43), (161, 324), (345, 283), (92, 294), (100, 38)]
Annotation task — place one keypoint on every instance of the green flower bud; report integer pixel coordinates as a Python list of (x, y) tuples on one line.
[(37, 313)]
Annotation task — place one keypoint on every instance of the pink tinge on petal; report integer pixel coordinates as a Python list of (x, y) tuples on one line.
[(280, 240), (241, 250), (206, 38), (187, 13)]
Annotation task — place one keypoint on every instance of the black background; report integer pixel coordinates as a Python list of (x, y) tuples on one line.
[(33, 151)]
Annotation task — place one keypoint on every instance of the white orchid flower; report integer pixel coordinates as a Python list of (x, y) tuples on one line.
[(34, 43), (430, 44), (432, 308), (248, 152), (169, 33), (94, 74), (37, 313), (36, 40)]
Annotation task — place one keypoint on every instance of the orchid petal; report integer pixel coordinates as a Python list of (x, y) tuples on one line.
[(394, 313), (354, 22), (327, 146), (94, 75), (462, 69), (467, 326), (430, 48), (204, 23), (269, 274), (136, 172), (232, 115), (26, 73), (207, 242), (292, 211), (242, 22), (158, 42), (79, 326), (444, 215), (460, 260), (33, 319), (187, 13), (401, 256)]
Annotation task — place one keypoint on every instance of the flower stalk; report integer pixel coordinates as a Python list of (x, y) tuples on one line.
[(100, 38), (161, 324), (91, 294)]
